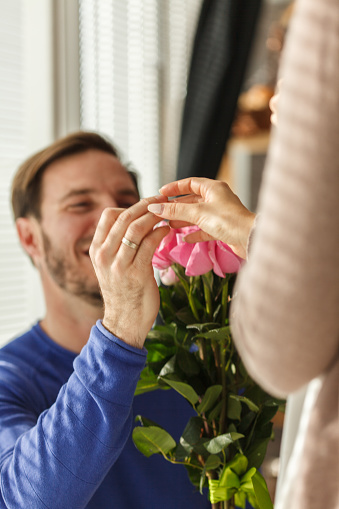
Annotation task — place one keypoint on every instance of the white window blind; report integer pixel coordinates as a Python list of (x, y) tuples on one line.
[(178, 20), (120, 79), (134, 56), (13, 274)]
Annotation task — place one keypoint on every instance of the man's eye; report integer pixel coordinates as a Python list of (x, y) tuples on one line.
[(125, 205), (80, 205)]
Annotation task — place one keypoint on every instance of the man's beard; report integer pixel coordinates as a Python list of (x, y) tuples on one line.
[(67, 277)]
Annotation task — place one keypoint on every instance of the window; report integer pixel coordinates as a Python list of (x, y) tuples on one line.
[(26, 125), (13, 278), (134, 57)]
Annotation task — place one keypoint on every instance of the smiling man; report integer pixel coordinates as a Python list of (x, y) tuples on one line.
[(67, 385)]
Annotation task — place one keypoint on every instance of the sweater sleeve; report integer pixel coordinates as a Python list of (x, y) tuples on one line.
[(285, 311), (60, 460)]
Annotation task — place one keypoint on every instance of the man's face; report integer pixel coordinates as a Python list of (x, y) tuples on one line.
[(75, 191)]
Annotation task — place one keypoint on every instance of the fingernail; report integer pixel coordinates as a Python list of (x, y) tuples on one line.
[(156, 208)]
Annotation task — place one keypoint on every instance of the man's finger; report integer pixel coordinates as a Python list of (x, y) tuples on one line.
[(137, 231), (149, 245), (106, 221)]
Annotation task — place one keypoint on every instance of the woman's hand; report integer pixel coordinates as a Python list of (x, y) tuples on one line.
[(212, 206), (125, 273)]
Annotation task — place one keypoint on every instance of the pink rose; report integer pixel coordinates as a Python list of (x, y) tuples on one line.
[(168, 277), (198, 258)]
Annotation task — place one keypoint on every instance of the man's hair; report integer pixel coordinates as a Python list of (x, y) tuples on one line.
[(26, 186)]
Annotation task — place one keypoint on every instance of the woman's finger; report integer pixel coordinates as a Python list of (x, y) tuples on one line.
[(192, 185), (179, 224), (176, 211), (198, 236)]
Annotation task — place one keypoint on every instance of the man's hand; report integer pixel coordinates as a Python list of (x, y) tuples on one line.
[(212, 206), (125, 274)]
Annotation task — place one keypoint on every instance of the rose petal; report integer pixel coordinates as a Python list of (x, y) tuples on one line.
[(212, 254), (181, 253), (161, 258), (199, 262), (228, 261), (168, 276)]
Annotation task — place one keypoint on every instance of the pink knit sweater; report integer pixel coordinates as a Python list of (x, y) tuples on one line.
[(285, 315)]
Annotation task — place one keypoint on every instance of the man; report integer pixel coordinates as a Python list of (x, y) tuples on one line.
[(67, 385)]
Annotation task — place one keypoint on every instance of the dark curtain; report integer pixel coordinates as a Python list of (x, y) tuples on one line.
[(222, 44)]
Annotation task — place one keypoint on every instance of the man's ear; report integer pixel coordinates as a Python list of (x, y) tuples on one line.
[(28, 232)]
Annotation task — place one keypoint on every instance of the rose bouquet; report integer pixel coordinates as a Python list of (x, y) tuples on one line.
[(192, 352)]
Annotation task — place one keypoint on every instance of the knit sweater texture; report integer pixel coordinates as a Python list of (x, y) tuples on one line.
[(285, 313)]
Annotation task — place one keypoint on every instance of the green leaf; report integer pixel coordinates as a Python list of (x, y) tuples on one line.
[(263, 431), (145, 422), (187, 362), (211, 395), (260, 397), (233, 409), (194, 475), (166, 307), (148, 382), (212, 463), (185, 315), (168, 368), (261, 492), (246, 422), (184, 389), (201, 326), (252, 406), (152, 440), (221, 334), (161, 333), (157, 351), (180, 453), (191, 434), (267, 414), (215, 413), (208, 278), (256, 453), (219, 443), (216, 312)]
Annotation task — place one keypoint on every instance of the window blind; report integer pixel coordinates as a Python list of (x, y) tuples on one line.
[(13, 274), (120, 79), (134, 59)]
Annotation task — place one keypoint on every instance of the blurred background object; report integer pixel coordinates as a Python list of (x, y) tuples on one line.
[(221, 49)]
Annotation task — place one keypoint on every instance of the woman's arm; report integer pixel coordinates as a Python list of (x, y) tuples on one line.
[(285, 314)]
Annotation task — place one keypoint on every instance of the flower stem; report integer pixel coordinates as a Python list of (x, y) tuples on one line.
[(188, 289), (216, 353), (224, 301), (208, 297), (202, 350), (222, 423), (193, 306)]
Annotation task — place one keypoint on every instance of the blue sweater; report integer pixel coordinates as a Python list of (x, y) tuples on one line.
[(65, 428)]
